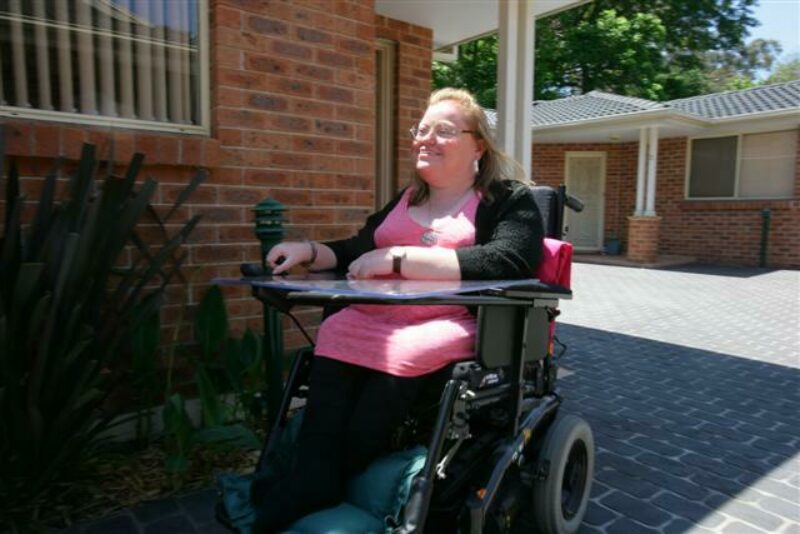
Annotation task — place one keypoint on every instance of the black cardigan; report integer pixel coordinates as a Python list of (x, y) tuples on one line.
[(508, 236)]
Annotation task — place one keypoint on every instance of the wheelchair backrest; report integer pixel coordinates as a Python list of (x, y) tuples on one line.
[(500, 328), (551, 203)]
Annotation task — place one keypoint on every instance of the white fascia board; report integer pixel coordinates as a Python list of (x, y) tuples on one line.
[(628, 119), (774, 114)]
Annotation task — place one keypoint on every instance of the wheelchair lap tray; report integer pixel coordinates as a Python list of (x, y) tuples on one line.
[(371, 498)]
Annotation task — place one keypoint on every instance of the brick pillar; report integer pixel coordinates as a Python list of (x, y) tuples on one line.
[(643, 238)]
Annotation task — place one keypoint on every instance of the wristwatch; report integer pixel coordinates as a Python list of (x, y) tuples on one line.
[(398, 255)]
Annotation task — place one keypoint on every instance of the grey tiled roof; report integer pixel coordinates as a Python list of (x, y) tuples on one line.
[(781, 96), (592, 105), (598, 105)]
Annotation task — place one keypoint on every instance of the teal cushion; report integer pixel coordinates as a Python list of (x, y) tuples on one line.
[(383, 488), (343, 519), (379, 492), (235, 488)]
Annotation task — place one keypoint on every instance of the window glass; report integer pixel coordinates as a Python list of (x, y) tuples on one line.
[(713, 167), (767, 167), (134, 59)]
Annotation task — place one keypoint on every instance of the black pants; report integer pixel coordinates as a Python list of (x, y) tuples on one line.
[(347, 423)]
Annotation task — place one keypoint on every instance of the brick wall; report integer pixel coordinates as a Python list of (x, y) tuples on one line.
[(292, 115), (722, 231), (548, 168), (725, 232)]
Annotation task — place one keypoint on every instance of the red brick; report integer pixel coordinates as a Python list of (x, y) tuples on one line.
[(292, 197), (314, 72), (267, 178), (293, 50), (314, 36), (335, 94), (46, 139), (266, 26), (267, 64), (241, 195), (267, 102), (291, 161), (334, 59), (230, 176), (124, 144), (227, 17), (19, 138)]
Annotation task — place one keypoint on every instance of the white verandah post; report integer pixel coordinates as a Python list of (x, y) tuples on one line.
[(641, 172), (515, 79), (652, 166)]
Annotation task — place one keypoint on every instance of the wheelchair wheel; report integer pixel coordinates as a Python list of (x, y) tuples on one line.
[(560, 499)]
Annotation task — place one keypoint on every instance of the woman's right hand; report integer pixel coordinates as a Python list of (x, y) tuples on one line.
[(291, 252)]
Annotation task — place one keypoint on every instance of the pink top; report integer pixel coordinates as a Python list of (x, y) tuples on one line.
[(406, 340)]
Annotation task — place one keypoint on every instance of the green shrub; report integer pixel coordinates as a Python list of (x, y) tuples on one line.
[(67, 311)]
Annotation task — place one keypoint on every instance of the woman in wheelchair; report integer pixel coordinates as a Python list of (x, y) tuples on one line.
[(468, 215)]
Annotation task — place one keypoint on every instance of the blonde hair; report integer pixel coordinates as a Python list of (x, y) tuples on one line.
[(494, 165)]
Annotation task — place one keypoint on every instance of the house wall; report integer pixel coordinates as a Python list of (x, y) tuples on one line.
[(722, 231), (712, 231), (549, 166), (292, 118)]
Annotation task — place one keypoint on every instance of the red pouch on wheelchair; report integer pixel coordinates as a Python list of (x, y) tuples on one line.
[(556, 265), (555, 268)]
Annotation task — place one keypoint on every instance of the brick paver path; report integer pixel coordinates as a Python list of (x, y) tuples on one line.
[(691, 382)]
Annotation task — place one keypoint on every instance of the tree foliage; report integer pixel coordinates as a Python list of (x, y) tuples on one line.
[(785, 71), (730, 70), (657, 49)]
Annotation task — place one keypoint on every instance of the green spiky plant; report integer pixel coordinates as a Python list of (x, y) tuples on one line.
[(68, 312)]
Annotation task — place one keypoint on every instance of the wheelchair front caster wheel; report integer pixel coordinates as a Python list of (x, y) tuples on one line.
[(560, 498)]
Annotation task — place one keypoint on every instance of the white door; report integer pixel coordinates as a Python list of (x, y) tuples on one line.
[(585, 179)]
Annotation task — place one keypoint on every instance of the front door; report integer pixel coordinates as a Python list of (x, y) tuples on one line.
[(585, 179)]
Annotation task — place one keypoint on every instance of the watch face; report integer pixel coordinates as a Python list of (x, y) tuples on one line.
[(397, 260)]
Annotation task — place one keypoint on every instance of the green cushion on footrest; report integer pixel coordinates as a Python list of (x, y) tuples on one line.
[(383, 488), (379, 492), (343, 519)]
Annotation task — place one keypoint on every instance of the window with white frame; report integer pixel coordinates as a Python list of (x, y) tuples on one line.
[(743, 166), (137, 62)]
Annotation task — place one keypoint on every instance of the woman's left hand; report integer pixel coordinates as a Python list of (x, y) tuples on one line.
[(374, 263)]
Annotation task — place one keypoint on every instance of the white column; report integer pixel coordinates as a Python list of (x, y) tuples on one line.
[(525, 45), (506, 83), (652, 160), (515, 79), (641, 172)]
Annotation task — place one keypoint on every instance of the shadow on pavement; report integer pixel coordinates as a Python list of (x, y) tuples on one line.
[(686, 439), (721, 270)]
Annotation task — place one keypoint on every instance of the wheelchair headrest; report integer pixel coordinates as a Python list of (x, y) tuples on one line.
[(551, 205)]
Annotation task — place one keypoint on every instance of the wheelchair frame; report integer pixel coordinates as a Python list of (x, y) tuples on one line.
[(514, 382)]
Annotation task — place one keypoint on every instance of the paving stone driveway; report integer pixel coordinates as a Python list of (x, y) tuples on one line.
[(691, 382)]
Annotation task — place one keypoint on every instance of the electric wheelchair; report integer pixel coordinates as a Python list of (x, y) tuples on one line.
[(488, 453)]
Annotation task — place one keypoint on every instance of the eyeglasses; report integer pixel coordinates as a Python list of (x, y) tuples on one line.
[(440, 129)]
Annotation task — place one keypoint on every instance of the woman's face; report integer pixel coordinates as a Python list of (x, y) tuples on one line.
[(443, 161)]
